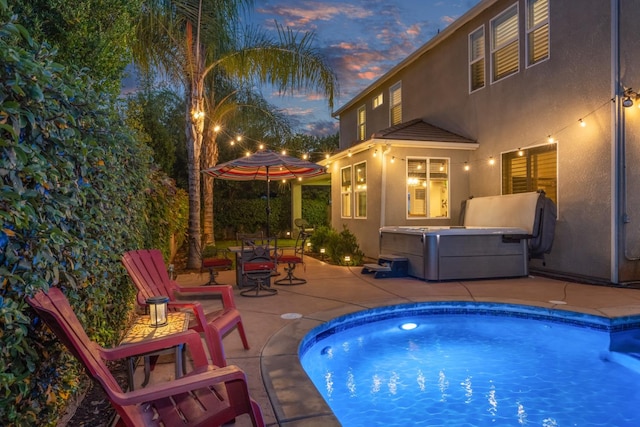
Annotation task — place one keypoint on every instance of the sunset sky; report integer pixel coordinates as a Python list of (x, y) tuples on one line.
[(362, 39)]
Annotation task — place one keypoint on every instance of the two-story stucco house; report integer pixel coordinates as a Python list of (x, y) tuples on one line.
[(514, 96)]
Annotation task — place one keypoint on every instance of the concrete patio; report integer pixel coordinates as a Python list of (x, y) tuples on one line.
[(276, 324)]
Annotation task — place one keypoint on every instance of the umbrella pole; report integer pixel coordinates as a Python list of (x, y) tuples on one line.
[(268, 203)]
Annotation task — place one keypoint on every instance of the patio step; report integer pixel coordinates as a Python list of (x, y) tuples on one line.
[(388, 265)]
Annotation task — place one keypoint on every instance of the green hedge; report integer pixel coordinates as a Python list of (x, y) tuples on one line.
[(77, 191), (232, 215)]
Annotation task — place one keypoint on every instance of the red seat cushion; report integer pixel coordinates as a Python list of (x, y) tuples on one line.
[(257, 266), (216, 262), (289, 258)]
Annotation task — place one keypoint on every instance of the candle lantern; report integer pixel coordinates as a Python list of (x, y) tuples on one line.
[(158, 310)]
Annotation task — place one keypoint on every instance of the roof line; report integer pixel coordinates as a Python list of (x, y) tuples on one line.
[(436, 40)]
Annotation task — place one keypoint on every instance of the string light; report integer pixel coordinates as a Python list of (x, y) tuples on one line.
[(550, 139)]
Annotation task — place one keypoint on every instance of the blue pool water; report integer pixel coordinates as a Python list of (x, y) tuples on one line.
[(472, 365)]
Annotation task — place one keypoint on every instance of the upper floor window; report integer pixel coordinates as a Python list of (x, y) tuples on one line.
[(345, 191), (360, 190), (395, 104), (476, 59), (362, 123), (532, 169), (505, 54), (537, 31), (377, 101), (427, 188)]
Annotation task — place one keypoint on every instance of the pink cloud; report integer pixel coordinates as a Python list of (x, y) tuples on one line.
[(447, 19), (414, 30)]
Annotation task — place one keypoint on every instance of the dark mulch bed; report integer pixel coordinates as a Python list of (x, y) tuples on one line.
[(95, 410)]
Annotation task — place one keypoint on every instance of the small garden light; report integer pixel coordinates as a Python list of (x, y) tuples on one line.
[(157, 311)]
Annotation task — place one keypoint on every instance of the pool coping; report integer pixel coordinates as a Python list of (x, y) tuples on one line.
[(297, 403)]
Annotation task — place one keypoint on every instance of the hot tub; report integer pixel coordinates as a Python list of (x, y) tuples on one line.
[(499, 235)]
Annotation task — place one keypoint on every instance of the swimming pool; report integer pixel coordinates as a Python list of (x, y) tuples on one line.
[(466, 364)]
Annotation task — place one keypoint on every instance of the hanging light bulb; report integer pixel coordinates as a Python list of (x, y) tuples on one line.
[(550, 139), (216, 128), (393, 159), (466, 166), (284, 152), (492, 161), (520, 152), (582, 123)]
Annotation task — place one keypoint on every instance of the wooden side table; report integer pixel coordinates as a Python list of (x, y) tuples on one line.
[(142, 330)]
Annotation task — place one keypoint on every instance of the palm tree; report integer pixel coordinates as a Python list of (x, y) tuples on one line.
[(238, 109), (189, 39)]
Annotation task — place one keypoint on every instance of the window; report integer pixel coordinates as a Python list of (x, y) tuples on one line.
[(531, 170), (476, 59), (360, 191), (362, 123), (427, 188), (537, 31), (395, 104), (505, 55), (345, 189), (377, 101)]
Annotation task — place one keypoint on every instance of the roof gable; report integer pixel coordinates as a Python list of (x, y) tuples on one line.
[(419, 130)]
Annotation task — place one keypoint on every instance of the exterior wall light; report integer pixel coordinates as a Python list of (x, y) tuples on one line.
[(629, 95)]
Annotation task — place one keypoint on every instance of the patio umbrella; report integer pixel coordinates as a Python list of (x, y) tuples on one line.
[(265, 165)]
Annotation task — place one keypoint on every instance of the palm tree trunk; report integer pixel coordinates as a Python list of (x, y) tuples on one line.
[(194, 131), (210, 159)]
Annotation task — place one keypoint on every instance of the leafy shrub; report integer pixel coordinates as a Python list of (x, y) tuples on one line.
[(77, 191), (337, 245)]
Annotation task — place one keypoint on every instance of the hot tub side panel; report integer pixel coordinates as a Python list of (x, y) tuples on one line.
[(455, 257), (410, 246)]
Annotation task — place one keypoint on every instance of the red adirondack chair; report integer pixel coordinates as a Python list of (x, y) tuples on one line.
[(208, 396), (149, 273)]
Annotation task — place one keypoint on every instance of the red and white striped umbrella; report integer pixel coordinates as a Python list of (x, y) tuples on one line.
[(265, 165)]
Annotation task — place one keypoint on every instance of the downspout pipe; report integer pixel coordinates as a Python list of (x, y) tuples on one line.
[(383, 186), (617, 139)]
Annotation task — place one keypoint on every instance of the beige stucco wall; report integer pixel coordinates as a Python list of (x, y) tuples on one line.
[(521, 111)]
